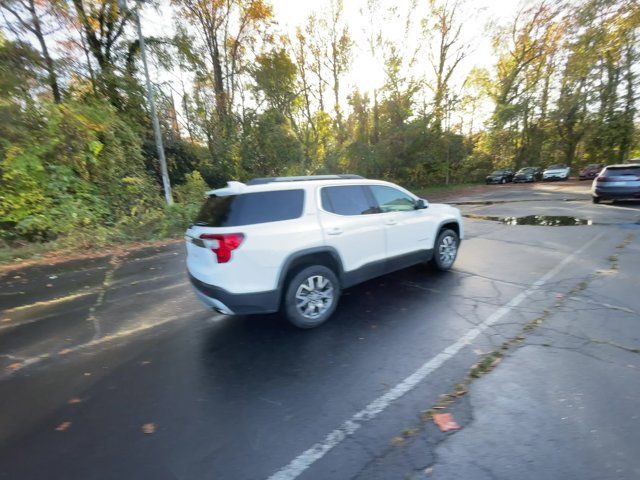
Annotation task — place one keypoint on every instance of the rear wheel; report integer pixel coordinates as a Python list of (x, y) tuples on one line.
[(311, 296), (595, 199), (504, 180), (446, 250)]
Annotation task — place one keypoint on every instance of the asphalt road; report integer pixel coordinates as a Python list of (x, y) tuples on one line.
[(111, 368)]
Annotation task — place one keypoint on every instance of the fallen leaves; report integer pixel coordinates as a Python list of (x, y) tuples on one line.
[(14, 366), (148, 428), (445, 422), (74, 400), (63, 426)]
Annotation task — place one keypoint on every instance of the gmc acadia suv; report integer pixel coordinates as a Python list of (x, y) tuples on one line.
[(292, 244)]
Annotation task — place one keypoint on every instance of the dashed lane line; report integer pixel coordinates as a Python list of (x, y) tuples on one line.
[(307, 458)]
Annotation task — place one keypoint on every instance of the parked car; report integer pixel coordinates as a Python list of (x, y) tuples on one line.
[(590, 171), (500, 176), (528, 174), (292, 244), (556, 172), (617, 182)]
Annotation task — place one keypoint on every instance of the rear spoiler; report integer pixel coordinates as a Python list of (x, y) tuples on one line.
[(232, 188)]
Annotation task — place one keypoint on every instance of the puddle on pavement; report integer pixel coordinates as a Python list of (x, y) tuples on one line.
[(544, 220)]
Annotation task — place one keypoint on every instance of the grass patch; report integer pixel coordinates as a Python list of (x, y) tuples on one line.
[(433, 189)]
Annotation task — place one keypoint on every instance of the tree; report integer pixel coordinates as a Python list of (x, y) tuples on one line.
[(340, 45), (444, 27), (228, 30), (276, 77), (29, 17)]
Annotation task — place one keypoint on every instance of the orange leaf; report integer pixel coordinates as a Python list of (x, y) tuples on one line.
[(148, 428), (445, 422), (63, 426)]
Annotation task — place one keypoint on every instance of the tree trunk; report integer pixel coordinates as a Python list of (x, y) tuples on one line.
[(376, 119), (49, 65), (218, 81)]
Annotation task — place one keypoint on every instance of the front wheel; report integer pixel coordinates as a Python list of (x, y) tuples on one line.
[(446, 250), (595, 199), (311, 296)]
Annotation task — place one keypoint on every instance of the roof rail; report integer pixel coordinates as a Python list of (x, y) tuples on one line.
[(260, 181)]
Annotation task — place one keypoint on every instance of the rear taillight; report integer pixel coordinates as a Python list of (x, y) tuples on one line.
[(222, 244)]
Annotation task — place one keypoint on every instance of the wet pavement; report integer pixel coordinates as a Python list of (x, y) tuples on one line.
[(94, 353)]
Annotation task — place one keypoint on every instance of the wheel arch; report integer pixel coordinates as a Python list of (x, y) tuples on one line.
[(325, 256), (450, 224)]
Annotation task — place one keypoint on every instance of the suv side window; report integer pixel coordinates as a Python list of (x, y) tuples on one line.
[(347, 200), (391, 199)]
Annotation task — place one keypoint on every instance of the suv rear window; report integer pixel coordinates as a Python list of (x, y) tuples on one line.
[(620, 171), (251, 208), (347, 200)]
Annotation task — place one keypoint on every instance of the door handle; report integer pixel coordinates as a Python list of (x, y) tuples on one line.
[(334, 231), (391, 222)]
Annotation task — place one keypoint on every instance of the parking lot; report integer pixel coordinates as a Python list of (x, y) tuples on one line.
[(111, 368)]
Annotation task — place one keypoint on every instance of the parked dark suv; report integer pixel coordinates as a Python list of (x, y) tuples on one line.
[(590, 171), (500, 176)]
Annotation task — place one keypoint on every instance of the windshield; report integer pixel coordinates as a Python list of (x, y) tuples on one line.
[(556, 167), (526, 170), (498, 172)]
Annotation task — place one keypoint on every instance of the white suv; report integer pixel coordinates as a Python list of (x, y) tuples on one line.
[(291, 244)]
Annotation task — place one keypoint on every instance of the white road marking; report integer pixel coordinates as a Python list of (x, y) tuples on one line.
[(307, 458)]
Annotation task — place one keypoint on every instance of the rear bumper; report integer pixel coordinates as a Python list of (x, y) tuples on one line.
[(236, 303), (617, 192)]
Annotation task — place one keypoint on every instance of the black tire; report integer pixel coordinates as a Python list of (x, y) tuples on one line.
[(595, 199), (290, 301), (439, 261), (503, 181)]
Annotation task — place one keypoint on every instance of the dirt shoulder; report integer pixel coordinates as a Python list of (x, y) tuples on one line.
[(54, 257)]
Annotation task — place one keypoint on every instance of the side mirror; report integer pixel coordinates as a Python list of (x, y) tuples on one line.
[(421, 204)]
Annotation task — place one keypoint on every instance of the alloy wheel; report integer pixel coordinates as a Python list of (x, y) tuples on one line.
[(314, 296), (447, 250)]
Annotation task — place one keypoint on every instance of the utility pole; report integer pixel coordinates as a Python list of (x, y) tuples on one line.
[(152, 105)]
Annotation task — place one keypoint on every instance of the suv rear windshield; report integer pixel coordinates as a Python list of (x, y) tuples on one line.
[(251, 208), (621, 171)]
